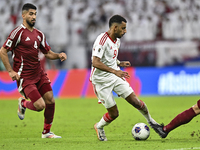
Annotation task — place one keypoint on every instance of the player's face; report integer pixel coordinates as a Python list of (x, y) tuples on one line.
[(121, 30), (30, 17)]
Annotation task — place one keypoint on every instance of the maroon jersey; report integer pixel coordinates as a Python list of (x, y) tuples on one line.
[(25, 46)]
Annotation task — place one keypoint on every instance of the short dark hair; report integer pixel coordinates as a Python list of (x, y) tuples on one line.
[(28, 6), (116, 19)]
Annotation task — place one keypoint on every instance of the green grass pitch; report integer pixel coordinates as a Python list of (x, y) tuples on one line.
[(74, 120)]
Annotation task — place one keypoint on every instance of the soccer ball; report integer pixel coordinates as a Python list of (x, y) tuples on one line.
[(140, 131)]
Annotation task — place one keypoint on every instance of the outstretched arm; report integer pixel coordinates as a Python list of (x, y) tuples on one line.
[(5, 60), (96, 62), (51, 55)]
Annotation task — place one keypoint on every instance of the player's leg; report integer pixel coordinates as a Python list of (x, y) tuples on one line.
[(107, 118), (183, 118), (123, 89), (140, 105), (49, 111), (36, 103), (142, 108), (196, 108), (105, 96), (107, 99), (47, 94)]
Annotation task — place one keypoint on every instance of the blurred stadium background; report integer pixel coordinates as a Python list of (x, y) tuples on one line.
[(162, 43)]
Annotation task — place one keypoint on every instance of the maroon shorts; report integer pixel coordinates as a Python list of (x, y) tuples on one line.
[(35, 88), (34, 93)]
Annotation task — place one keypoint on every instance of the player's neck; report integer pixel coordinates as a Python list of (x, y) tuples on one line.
[(28, 27), (112, 36)]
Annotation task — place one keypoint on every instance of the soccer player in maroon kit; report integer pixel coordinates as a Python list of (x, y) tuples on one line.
[(182, 118), (25, 42)]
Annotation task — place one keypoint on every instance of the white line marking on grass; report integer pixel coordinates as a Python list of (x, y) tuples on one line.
[(184, 148)]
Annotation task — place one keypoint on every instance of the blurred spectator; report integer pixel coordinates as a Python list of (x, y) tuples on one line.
[(71, 25)]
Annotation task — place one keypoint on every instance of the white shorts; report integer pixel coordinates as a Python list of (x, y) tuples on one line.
[(105, 95)]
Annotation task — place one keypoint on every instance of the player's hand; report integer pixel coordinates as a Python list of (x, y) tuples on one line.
[(122, 74), (62, 56), (125, 64), (14, 75)]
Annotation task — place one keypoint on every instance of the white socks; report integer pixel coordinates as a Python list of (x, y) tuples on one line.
[(102, 123), (144, 111)]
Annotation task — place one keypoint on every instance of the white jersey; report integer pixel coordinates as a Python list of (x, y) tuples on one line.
[(107, 50)]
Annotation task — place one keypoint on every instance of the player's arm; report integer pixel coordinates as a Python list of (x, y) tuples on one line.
[(5, 60), (123, 63), (96, 62), (51, 55)]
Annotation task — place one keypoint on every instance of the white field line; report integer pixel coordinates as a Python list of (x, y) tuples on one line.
[(184, 148)]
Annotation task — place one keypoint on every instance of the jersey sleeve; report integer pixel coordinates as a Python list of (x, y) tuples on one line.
[(12, 39), (44, 46), (98, 49)]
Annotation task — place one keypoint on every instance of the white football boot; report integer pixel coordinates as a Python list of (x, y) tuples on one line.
[(50, 135), (21, 110), (100, 133)]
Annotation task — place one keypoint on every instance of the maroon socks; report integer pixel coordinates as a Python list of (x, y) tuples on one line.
[(182, 118)]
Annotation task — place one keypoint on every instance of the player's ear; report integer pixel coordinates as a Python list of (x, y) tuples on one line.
[(24, 14), (115, 27)]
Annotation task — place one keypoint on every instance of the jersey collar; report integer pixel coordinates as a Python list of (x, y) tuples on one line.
[(23, 26), (111, 39)]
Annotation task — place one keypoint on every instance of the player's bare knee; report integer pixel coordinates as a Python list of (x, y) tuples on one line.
[(48, 98), (198, 103), (50, 101), (40, 108), (39, 105), (196, 108)]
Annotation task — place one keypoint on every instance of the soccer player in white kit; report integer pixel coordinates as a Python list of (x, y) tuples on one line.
[(106, 76)]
